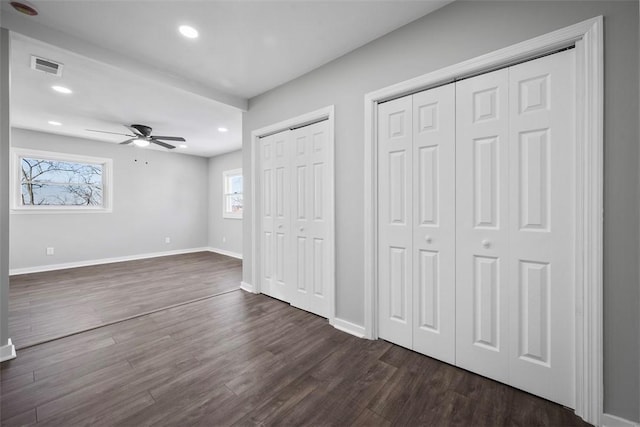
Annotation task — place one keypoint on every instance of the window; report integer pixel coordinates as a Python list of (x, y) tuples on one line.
[(232, 181), (46, 181)]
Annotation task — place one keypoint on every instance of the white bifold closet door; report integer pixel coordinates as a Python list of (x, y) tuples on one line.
[(475, 230), (276, 217), (295, 210), (416, 223), (515, 233), (310, 210)]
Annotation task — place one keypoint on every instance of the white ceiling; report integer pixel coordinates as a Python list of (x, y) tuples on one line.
[(130, 64), (106, 98)]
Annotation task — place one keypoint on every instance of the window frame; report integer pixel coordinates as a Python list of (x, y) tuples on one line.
[(17, 154), (226, 176)]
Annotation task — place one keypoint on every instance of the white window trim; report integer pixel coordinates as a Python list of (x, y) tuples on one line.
[(225, 177), (107, 182)]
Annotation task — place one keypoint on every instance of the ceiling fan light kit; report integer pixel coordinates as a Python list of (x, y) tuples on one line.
[(140, 142)]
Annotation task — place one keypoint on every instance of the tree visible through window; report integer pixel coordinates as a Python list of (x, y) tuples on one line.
[(232, 193), (58, 181), (50, 182)]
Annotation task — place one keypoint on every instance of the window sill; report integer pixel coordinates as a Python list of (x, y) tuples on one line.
[(231, 216)]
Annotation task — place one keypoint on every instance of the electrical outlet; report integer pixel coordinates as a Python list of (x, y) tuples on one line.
[(224, 239), (50, 251), (167, 239)]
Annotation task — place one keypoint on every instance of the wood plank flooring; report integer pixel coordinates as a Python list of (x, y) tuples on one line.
[(50, 304), (244, 359)]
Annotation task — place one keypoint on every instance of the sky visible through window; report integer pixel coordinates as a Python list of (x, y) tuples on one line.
[(60, 183), (235, 182)]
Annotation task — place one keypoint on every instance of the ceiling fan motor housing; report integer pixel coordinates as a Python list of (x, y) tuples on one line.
[(144, 130)]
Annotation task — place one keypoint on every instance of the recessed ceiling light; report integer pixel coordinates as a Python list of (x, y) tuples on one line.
[(61, 89), (182, 146), (222, 129), (54, 123), (188, 32)]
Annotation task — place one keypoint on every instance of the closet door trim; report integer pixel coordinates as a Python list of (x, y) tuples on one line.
[(587, 39), (326, 113)]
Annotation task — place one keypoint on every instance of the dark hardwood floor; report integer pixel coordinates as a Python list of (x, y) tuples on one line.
[(51, 304), (244, 359)]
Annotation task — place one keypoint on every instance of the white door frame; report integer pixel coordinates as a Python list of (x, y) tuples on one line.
[(587, 37), (256, 227)]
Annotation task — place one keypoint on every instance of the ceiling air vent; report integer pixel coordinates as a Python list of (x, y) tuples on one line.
[(46, 66)]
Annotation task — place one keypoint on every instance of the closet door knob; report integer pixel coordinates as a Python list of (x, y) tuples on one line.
[(301, 229), (280, 226), (428, 239), (486, 244)]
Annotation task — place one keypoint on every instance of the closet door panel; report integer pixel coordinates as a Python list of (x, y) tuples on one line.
[(482, 154), (541, 229), (434, 223), (395, 221), (310, 199), (267, 206), (300, 203), (281, 217)]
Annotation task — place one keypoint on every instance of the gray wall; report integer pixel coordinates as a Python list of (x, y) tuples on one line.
[(229, 229), (5, 143), (460, 31), (161, 195)]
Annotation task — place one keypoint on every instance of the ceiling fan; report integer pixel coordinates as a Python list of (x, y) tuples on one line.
[(142, 136)]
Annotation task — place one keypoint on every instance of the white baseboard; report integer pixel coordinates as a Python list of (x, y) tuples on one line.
[(609, 420), (248, 287), (225, 252), (348, 327), (7, 352), (52, 267)]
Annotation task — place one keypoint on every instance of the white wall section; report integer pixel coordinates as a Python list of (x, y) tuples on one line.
[(225, 234), (156, 195)]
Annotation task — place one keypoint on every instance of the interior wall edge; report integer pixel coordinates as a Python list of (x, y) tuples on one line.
[(5, 144)]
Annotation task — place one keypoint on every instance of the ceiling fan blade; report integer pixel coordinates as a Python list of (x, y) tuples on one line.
[(169, 138), (128, 141), (134, 130), (162, 144), (104, 131)]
